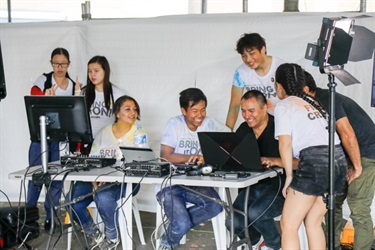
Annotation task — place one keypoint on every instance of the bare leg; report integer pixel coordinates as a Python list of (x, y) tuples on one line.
[(296, 207), (313, 224)]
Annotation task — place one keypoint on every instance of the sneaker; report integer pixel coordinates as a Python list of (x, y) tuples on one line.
[(107, 244), (47, 225), (259, 244), (93, 240), (164, 247), (161, 228)]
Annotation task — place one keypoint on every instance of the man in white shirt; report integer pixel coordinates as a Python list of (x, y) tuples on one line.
[(180, 144)]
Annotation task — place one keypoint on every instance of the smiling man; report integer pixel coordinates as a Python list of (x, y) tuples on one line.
[(265, 200), (180, 144), (257, 72)]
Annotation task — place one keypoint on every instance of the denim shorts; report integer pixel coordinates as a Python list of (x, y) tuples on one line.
[(312, 175)]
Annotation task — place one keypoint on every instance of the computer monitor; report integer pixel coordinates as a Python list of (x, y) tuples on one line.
[(67, 118)]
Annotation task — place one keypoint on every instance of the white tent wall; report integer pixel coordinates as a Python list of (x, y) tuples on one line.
[(154, 59)]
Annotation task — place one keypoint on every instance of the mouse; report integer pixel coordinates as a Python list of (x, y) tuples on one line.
[(203, 169)]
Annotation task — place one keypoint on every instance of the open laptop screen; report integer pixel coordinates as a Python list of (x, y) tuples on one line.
[(227, 151), (133, 154)]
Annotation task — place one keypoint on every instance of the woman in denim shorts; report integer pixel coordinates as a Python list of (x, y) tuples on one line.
[(301, 128)]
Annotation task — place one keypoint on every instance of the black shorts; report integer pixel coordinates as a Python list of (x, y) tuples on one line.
[(312, 175)]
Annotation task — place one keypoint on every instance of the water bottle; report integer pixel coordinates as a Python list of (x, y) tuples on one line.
[(140, 138)]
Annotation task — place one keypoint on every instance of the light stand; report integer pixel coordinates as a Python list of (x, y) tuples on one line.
[(330, 198), (335, 47)]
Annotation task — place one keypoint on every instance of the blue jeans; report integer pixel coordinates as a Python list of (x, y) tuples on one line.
[(174, 198), (260, 198), (33, 191), (106, 203)]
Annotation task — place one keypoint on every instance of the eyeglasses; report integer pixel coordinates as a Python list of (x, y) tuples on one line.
[(62, 65)]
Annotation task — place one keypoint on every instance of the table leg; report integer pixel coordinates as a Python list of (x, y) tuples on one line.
[(126, 219)]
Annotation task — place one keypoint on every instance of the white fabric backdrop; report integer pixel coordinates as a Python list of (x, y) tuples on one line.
[(153, 60)]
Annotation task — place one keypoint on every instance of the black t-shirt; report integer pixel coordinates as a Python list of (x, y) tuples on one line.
[(268, 145), (362, 124)]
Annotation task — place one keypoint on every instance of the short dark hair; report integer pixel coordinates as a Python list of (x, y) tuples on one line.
[(250, 41), (310, 82), (120, 101), (193, 95), (259, 96)]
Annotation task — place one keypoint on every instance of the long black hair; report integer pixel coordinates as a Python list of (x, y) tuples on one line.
[(107, 85), (292, 77)]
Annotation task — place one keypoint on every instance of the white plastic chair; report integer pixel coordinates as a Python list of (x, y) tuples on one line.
[(96, 218)]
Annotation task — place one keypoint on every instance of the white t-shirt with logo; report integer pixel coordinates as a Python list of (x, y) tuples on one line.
[(99, 115), (305, 124), (184, 141), (108, 146), (247, 78), (40, 81)]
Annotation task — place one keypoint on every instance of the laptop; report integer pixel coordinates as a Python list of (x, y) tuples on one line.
[(133, 154), (229, 152)]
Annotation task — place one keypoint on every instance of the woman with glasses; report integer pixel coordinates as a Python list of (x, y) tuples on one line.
[(55, 83), (58, 81)]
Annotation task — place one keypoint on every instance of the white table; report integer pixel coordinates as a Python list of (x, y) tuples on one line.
[(111, 175)]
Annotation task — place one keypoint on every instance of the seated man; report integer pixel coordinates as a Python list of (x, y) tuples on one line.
[(180, 144), (265, 199)]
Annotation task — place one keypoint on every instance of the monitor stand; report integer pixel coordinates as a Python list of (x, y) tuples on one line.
[(43, 122)]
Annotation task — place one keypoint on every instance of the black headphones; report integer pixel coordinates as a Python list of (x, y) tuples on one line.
[(203, 169)]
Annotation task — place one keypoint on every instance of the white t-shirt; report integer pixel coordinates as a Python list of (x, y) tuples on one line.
[(107, 145), (184, 141), (299, 119), (59, 92), (99, 115), (247, 78)]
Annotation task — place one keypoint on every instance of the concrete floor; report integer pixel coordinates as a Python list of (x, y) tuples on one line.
[(199, 238)]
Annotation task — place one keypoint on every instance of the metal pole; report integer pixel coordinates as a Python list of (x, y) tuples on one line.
[(331, 155), (362, 6), (245, 7), (291, 6), (204, 6), (43, 141), (9, 12)]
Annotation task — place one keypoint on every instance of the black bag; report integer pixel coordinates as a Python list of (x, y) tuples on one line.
[(11, 221)]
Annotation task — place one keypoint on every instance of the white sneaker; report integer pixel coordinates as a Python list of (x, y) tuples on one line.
[(259, 244), (266, 248)]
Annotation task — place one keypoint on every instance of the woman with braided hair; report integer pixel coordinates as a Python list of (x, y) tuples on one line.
[(301, 128)]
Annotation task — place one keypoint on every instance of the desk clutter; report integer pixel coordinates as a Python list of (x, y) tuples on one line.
[(86, 161), (150, 168)]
